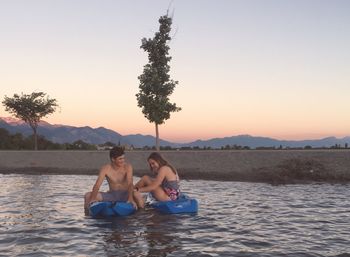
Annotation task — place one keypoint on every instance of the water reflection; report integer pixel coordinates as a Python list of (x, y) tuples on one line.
[(160, 233), (146, 233)]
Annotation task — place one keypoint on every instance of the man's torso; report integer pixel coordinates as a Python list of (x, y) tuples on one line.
[(117, 177)]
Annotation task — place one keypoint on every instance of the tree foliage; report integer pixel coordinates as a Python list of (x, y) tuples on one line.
[(19, 142), (30, 108), (155, 84), (80, 145)]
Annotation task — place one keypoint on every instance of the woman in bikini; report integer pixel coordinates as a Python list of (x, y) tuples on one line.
[(164, 187)]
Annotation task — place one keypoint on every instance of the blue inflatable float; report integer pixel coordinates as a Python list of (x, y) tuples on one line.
[(183, 204), (110, 209)]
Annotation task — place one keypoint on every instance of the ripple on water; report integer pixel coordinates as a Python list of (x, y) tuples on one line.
[(42, 215)]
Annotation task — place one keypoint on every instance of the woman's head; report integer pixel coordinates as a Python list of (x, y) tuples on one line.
[(156, 161)]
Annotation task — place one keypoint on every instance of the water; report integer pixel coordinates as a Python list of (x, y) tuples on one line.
[(43, 216)]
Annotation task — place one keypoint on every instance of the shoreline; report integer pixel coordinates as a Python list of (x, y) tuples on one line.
[(268, 166)]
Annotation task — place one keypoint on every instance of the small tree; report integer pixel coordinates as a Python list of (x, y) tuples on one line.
[(30, 108), (155, 83)]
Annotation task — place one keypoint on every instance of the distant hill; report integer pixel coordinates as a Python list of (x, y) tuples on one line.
[(254, 142), (139, 140), (69, 134), (62, 133)]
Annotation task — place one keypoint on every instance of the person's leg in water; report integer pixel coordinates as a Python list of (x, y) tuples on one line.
[(87, 200), (144, 181), (157, 193)]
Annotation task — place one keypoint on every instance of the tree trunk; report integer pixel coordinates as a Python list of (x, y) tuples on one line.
[(34, 127), (35, 140), (157, 138)]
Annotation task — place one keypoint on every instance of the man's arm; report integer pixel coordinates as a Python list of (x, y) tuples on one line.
[(129, 179), (98, 183)]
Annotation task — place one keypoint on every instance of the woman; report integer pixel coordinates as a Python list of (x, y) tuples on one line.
[(164, 187)]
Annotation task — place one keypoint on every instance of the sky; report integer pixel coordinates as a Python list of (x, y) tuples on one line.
[(273, 68)]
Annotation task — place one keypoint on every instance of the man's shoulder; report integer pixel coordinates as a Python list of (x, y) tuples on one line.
[(127, 166), (106, 167)]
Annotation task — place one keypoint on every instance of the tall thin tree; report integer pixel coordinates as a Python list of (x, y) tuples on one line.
[(30, 108), (155, 84)]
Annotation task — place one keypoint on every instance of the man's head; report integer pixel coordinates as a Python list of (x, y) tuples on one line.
[(116, 152)]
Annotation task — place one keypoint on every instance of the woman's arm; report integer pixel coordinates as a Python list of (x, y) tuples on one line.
[(156, 182)]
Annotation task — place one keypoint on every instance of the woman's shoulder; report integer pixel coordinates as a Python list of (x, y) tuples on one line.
[(169, 173), (165, 169)]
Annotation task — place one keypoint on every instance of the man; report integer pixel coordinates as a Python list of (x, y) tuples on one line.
[(119, 175)]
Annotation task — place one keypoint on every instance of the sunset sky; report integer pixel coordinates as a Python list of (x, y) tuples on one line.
[(261, 67)]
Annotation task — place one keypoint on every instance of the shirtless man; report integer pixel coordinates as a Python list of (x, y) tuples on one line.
[(119, 175)]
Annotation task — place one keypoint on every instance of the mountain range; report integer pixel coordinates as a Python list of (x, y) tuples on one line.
[(68, 134)]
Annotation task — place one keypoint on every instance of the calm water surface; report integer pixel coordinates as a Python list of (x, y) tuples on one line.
[(43, 216)]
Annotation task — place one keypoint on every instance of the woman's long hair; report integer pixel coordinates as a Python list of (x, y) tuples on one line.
[(161, 161)]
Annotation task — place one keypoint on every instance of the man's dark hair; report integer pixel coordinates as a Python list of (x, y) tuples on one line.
[(116, 152)]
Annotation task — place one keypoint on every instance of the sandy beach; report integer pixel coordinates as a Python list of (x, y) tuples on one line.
[(271, 166)]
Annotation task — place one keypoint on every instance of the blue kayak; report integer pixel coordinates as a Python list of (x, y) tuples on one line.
[(110, 209), (183, 204)]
